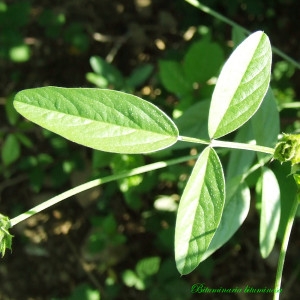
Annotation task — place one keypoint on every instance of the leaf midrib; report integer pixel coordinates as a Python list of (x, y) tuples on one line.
[(92, 120)]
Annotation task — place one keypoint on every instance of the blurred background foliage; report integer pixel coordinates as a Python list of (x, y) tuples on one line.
[(116, 242)]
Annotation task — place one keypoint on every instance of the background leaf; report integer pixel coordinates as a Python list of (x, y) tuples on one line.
[(105, 74), (193, 123), (200, 211), (173, 77), (241, 86), (270, 212), (288, 192), (139, 75), (203, 61), (10, 149), (129, 186), (148, 266), (11, 113), (267, 115), (240, 161), (106, 120), (238, 35)]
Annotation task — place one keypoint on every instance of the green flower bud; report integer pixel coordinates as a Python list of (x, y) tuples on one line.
[(288, 149), (5, 236)]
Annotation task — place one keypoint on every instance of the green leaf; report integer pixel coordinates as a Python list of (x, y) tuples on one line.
[(241, 86), (173, 77), (147, 267), (267, 115), (193, 122), (238, 35), (129, 185), (240, 161), (131, 279), (203, 61), (11, 114), (101, 159), (106, 120), (139, 75), (236, 209), (107, 72), (122, 162), (288, 192), (10, 150), (98, 80), (24, 140), (200, 211), (270, 212)]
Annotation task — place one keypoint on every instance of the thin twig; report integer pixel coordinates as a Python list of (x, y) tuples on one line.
[(222, 18)]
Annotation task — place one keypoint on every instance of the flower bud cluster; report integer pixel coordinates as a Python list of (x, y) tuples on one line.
[(288, 149), (5, 236)]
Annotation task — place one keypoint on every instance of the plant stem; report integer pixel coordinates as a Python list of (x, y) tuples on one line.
[(243, 146), (233, 145), (289, 105), (97, 182), (215, 14), (139, 170), (220, 17), (284, 245), (193, 140)]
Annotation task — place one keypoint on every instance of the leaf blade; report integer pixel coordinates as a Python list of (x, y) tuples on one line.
[(105, 120), (240, 161), (235, 211), (241, 86), (268, 115), (173, 78), (202, 61), (200, 211), (10, 151), (193, 122), (270, 212)]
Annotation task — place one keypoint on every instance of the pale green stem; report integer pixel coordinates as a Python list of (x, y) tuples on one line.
[(193, 140), (232, 145), (97, 182), (243, 146), (289, 105), (284, 246), (140, 170), (220, 17), (215, 14)]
